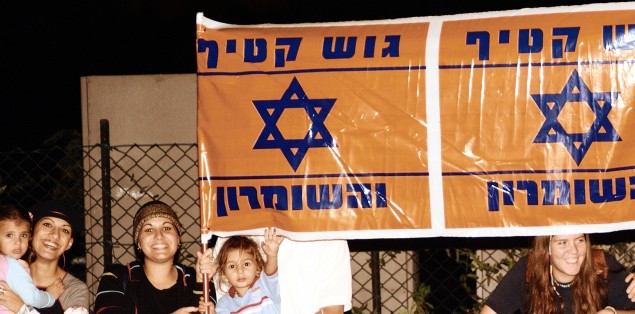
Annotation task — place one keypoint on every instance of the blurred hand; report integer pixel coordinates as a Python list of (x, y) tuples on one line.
[(630, 290), (56, 288), (9, 298), (209, 306), (205, 264), (186, 310)]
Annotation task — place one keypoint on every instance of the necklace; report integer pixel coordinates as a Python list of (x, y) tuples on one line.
[(563, 285)]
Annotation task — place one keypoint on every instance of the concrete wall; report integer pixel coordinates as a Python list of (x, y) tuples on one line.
[(141, 109)]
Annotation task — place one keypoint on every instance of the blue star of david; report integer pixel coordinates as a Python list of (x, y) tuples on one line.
[(577, 144), (317, 135)]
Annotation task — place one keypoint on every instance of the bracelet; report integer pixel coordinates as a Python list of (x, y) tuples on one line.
[(612, 309)]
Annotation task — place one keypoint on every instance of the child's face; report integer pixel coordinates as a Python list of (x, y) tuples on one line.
[(240, 270), (14, 237)]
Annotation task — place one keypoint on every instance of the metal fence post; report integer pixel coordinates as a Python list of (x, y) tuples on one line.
[(105, 190), (376, 281)]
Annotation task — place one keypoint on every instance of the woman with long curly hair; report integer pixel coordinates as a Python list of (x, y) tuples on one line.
[(558, 276)]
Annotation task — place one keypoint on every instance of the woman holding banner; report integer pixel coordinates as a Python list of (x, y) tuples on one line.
[(561, 275), (155, 283)]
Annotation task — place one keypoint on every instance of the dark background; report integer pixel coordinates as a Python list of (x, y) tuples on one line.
[(46, 46)]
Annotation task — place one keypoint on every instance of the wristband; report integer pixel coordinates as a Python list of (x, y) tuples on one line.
[(612, 309)]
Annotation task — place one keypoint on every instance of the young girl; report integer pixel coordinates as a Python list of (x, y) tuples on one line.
[(15, 233), (253, 283)]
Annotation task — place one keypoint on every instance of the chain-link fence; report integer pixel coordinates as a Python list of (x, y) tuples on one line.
[(436, 275)]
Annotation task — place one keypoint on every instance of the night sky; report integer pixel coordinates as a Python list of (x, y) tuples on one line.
[(46, 46)]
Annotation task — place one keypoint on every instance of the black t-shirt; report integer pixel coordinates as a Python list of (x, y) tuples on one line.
[(510, 294), (125, 289)]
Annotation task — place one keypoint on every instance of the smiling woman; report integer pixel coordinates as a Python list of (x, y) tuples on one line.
[(558, 276), (156, 282), (54, 230)]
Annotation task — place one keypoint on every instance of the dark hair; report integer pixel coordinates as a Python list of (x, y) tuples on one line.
[(61, 210), (12, 212)]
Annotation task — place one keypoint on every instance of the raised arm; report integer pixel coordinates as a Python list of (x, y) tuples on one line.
[(270, 246)]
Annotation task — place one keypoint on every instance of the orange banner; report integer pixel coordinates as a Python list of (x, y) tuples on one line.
[(490, 124)]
